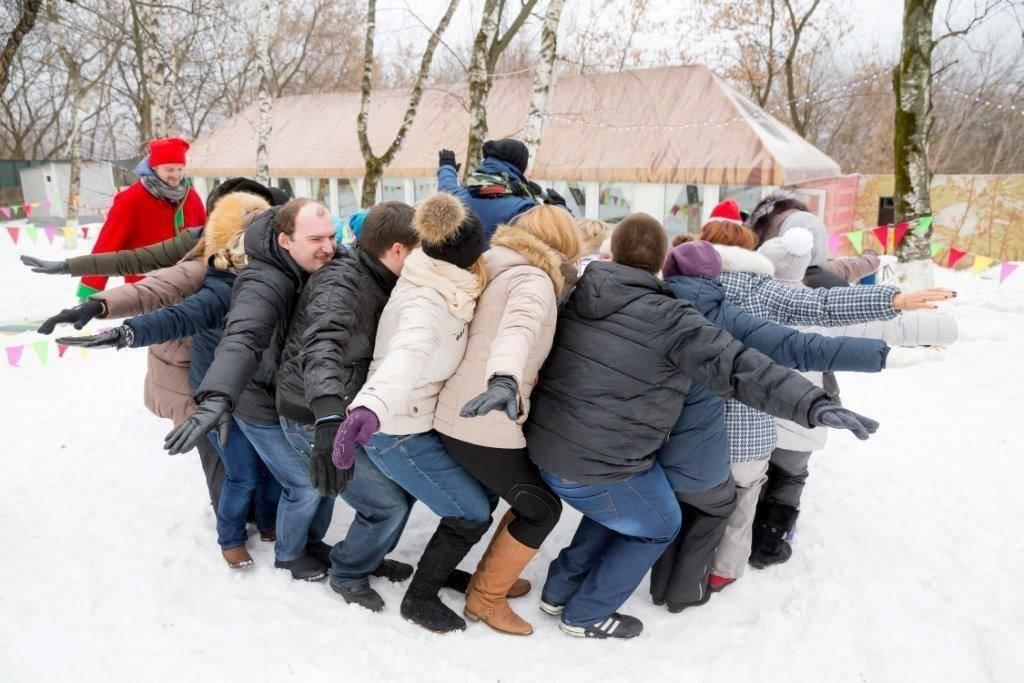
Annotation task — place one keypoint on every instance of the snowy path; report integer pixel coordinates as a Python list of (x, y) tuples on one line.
[(907, 566)]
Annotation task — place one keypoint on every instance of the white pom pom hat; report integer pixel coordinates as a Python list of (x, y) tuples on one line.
[(790, 253)]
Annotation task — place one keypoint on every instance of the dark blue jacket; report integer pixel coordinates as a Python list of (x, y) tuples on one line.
[(492, 212), (200, 316), (696, 455)]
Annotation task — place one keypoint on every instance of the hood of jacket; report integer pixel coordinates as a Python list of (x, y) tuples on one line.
[(496, 165), (261, 244), (143, 168), (232, 214), (608, 287), (513, 247), (740, 260)]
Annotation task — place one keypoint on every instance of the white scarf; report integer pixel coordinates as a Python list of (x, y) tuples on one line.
[(459, 287)]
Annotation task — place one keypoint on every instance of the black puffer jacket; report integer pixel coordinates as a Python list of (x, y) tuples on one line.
[(263, 300), (330, 343), (625, 353)]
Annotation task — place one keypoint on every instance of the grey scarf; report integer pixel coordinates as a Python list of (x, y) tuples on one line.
[(162, 190)]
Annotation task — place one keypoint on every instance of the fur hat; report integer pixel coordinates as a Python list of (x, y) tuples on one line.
[(640, 241), (449, 231), (790, 253), (819, 234), (696, 258), (508, 150), (776, 202), (231, 215)]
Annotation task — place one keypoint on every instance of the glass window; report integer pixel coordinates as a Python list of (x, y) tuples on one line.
[(615, 201), (392, 190), (575, 196), (348, 202), (683, 206), (423, 188), (322, 190), (747, 196), (286, 185)]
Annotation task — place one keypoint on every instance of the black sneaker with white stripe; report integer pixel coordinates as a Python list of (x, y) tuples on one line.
[(549, 606), (615, 626)]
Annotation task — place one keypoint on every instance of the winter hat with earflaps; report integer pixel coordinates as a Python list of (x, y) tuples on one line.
[(508, 150), (640, 241), (811, 223), (693, 259), (790, 253), (449, 231)]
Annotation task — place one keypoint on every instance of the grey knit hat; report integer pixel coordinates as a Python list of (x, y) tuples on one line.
[(790, 254), (810, 222)]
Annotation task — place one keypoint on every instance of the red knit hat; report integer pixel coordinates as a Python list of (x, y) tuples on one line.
[(167, 151), (728, 210)]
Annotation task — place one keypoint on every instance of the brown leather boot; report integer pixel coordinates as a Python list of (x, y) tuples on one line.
[(486, 599), (237, 558), (521, 586)]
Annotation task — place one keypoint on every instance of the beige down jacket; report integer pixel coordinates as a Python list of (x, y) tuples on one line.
[(511, 334), (166, 392)]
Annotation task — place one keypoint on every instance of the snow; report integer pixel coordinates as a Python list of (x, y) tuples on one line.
[(907, 565)]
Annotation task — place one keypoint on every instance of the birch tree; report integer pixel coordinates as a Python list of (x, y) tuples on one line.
[(375, 164), (26, 20), (263, 66), (543, 80)]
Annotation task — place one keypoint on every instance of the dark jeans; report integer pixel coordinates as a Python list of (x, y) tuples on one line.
[(213, 471), (625, 527), (787, 476), (247, 484), (681, 573), (510, 474), (303, 515), (382, 509)]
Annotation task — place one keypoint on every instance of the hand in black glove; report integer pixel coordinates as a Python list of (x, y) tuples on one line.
[(46, 267), (502, 392), (214, 411), (555, 198), (79, 315), (824, 413), (446, 157), (119, 337), (323, 475)]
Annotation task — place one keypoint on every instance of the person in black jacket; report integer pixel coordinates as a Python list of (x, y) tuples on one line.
[(625, 353), (325, 361)]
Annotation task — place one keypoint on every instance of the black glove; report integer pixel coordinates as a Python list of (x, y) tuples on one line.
[(555, 198), (502, 392), (824, 413), (214, 411), (79, 315), (323, 475), (47, 267), (118, 337), (446, 157)]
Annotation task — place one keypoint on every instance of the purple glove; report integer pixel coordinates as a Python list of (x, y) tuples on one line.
[(358, 427)]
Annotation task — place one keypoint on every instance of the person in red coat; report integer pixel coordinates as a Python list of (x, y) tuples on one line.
[(155, 208)]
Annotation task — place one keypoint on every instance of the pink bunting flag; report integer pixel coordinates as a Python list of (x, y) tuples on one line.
[(47, 203), (61, 349), (50, 233), (6, 211), (14, 354), (27, 208), (13, 232), (1006, 270), (834, 242)]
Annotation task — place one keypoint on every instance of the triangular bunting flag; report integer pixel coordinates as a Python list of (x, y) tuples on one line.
[(1006, 270), (35, 205), (27, 208), (954, 256), (14, 354), (47, 203), (13, 232), (936, 248), (50, 234), (85, 352), (32, 232), (923, 225), (980, 264), (899, 233), (69, 233), (61, 348), (856, 239), (882, 235), (6, 211), (85, 233), (834, 243), (42, 349)]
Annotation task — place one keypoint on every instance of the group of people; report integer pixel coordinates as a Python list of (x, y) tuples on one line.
[(483, 346)]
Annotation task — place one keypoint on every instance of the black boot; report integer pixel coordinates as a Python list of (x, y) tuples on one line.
[(772, 522), (446, 548)]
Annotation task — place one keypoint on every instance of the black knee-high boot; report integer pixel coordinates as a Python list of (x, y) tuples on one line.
[(772, 522)]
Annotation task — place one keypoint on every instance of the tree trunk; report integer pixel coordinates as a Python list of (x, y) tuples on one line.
[(154, 70), (374, 172), (75, 172), (26, 20), (480, 84), (912, 81), (263, 66), (543, 79)]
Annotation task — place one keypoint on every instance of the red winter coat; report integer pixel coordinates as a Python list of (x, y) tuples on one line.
[(138, 219)]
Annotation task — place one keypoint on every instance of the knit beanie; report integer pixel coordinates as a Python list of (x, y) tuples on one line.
[(639, 241), (810, 222), (693, 259), (507, 149), (449, 231), (167, 151), (790, 253)]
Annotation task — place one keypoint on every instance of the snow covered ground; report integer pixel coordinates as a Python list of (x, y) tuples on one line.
[(907, 566)]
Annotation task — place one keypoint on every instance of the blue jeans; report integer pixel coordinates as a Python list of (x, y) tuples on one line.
[(247, 482), (382, 509), (303, 515), (625, 527), (420, 465)]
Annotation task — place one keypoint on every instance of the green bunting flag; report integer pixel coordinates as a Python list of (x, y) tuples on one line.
[(856, 239)]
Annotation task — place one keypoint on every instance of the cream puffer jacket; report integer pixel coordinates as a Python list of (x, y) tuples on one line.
[(511, 334)]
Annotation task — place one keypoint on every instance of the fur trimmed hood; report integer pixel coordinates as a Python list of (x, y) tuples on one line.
[(230, 216), (739, 260), (533, 250)]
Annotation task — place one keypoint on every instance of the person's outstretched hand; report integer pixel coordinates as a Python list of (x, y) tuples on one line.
[(118, 337), (446, 157), (323, 475), (358, 427), (46, 267), (921, 299), (502, 394), (80, 315), (824, 413), (214, 411)]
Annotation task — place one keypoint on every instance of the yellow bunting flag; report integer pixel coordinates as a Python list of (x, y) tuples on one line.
[(980, 264)]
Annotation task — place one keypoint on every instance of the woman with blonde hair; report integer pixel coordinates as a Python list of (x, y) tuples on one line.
[(482, 408), (592, 234)]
